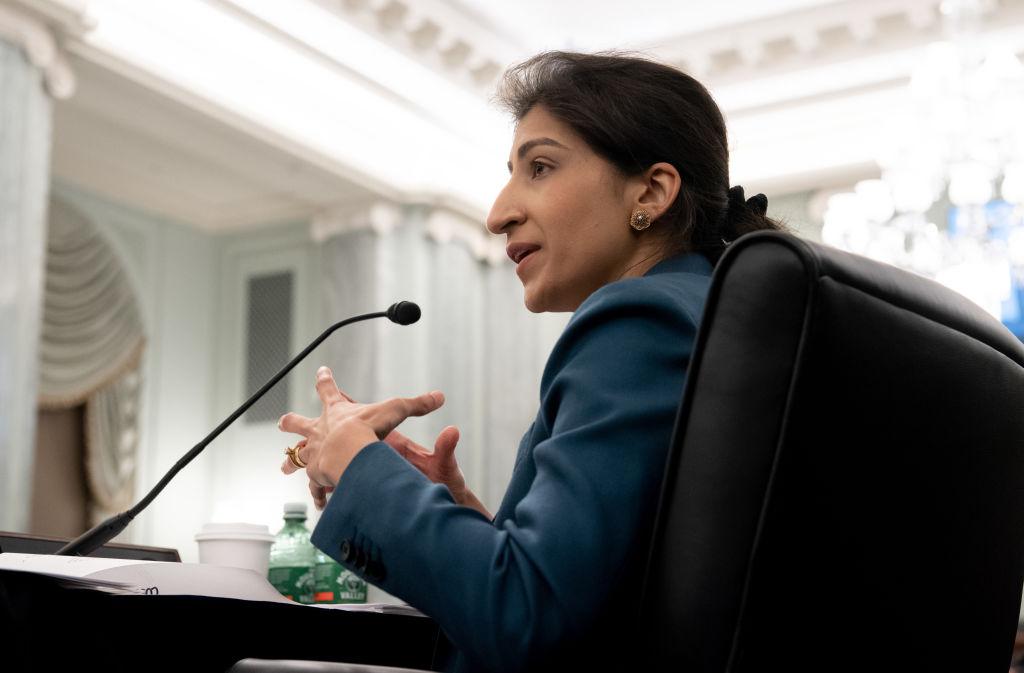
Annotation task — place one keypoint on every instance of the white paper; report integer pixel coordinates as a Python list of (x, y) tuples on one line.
[(172, 579), (150, 577)]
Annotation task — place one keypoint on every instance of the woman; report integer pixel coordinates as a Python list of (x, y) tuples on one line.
[(617, 206)]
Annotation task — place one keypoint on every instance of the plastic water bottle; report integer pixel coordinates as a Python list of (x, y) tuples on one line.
[(293, 556), (335, 584)]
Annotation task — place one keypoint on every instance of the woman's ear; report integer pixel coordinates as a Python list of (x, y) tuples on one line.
[(659, 187)]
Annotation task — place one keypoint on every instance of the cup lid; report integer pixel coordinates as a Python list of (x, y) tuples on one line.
[(234, 530)]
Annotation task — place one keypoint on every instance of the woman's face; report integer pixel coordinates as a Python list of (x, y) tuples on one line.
[(565, 211)]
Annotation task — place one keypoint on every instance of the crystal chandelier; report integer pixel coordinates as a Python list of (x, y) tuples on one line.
[(957, 158)]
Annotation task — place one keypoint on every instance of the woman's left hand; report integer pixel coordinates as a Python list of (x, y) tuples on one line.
[(343, 429)]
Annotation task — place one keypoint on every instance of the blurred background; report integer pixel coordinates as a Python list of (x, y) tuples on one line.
[(191, 190)]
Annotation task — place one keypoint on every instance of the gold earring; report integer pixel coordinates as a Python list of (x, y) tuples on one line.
[(640, 220)]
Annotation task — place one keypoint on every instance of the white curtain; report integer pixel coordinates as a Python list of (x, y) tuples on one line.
[(476, 341), (90, 349)]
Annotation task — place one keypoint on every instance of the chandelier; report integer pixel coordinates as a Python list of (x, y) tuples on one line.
[(950, 201)]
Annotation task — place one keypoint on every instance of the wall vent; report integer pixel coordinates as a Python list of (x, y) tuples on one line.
[(268, 342)]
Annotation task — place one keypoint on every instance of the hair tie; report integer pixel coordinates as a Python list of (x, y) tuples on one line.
[(737, 202)]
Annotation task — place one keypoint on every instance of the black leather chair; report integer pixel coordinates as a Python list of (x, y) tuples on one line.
[(845, 489), (846, 485)]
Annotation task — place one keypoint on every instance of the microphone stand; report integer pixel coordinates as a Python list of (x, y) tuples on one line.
[(403, 313)]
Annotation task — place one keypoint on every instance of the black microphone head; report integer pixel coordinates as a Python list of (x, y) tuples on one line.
[(404, 313)]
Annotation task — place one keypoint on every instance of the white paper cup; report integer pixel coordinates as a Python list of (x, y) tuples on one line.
[(240, 545)]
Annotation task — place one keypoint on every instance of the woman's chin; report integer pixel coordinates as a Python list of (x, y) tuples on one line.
[(545, 302), (534, 300), (532, 305)]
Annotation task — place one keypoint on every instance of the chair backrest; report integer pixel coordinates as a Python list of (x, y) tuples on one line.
[(845, 488)]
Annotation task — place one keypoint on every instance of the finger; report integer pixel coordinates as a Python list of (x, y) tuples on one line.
[(319, 494), (388, 415), (417, 455), (421, 463), (444, 445), (326, 388), (404, 445), (300, 425), (421, 405), (288, 466)]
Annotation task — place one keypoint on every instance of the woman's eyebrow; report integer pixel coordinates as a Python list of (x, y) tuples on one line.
[(530, 144)]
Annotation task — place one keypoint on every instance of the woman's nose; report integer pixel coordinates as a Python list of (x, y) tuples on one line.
[(504, 213)]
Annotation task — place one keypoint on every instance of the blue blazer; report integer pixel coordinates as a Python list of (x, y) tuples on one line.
[(555, 577)]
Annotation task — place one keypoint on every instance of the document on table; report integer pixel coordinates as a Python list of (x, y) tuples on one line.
[(147, 577), (130, 576)]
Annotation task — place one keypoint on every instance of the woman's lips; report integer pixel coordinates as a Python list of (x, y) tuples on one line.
[(524, 259), (521, 253), (517, 251)]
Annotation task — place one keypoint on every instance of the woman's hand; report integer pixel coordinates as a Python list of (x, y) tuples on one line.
[(438, 465), (343, 429)]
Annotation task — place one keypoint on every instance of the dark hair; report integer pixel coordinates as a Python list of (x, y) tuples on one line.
[(636, 112)]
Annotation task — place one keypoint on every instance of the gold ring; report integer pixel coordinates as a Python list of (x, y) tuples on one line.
[(293, 455)]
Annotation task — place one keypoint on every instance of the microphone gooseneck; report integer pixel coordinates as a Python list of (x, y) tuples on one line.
[(403, 313)]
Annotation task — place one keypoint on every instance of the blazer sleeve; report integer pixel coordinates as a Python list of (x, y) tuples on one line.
[(506, 594)]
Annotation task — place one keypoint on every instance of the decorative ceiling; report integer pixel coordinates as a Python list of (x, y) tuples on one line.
[(316, 104)]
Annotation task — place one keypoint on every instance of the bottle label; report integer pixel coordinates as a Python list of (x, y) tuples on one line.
[(335, 584), (294, 582)]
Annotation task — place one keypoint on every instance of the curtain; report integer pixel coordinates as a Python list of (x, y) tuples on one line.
[(90, 351)]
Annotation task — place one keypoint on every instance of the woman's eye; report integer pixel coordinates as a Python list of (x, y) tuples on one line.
[(538, 168)]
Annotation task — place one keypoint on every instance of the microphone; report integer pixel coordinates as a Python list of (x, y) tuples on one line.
[(402, 313)]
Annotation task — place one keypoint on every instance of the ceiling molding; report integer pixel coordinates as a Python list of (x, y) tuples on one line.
[(838, 32), (442, 34), (303, 85), (125, 142), (68, 17), (356, 100), (735, 51), (36, 27)]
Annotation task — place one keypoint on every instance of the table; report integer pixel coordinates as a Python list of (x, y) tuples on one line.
[(46, 626)]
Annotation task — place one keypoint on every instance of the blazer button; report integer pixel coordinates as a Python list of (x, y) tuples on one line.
[(348, 551), (362, 558)]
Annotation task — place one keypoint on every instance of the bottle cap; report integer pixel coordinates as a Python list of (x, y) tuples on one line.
[(295, 509)]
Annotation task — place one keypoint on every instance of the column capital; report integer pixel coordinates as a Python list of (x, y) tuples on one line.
[(444, 225), (35, 26), (380, 217)]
